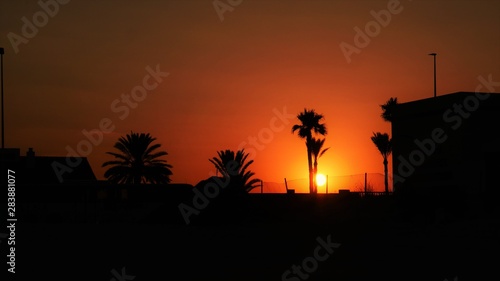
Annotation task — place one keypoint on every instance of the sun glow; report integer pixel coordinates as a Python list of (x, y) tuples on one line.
[(320, 179)]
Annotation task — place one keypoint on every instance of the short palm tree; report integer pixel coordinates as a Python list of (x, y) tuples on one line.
[(310, 122), (317, 151), (384, 146), (233, 166), (138, 161), (388, 109)]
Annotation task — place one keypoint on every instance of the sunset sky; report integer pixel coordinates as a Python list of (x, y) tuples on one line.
[(233, 75)]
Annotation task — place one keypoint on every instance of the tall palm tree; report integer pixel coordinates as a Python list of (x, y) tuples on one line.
[(317, 151), (388, 115), (233, 166), (309, 123), (384, 146), (388, 109), (138, 161)]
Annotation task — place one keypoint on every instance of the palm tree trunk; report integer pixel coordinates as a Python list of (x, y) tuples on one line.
[(386, 177), (309, 163), (315, 173)]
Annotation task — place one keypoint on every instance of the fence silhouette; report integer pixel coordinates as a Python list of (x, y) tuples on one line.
[(354, 183)]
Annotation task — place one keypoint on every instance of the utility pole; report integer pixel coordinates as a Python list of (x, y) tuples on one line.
[(3, 113), (365, 184), (434, 55), (326, 185)]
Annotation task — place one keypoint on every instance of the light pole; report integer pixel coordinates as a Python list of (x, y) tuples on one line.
[(434, 55), (3, 114)]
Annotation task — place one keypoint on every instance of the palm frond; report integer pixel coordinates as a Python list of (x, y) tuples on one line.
[(137, 162)]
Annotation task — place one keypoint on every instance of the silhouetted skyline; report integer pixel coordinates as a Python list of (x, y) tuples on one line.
[(215, 91), (201, 84)]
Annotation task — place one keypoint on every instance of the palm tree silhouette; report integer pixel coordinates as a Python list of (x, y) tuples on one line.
[(384, 146), (388, 115), (233, 166), (309, 123), (316, 146), (388, 109), (138, 161)]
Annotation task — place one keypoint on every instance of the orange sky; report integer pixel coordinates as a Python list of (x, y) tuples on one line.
[(227, 78)]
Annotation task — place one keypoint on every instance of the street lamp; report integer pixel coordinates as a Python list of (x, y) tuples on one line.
[(434, 55), (3, 114)]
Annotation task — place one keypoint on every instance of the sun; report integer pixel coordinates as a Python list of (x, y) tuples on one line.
[(320, 179)]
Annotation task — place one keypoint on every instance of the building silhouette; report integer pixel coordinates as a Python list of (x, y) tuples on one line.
[(33, 169), (42, 197), (40, 194), (447, 143)]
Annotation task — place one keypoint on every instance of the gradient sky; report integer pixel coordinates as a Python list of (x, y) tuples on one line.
[(227, 78)]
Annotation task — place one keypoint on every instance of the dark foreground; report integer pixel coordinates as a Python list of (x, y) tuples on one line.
[(263, 237)]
